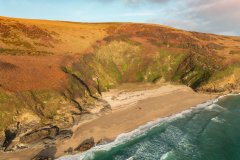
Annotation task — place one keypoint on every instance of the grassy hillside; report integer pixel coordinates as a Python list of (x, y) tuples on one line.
[(31, 37), (53, 73)]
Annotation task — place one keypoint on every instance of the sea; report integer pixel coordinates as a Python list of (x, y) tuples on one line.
[(209, 131)]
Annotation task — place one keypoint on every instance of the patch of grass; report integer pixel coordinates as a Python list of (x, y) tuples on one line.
[(153, 76), (50, 100), (33, 31), (4, 97), (140, 76), (117, 57), (229, 70), (17, 42), (7, 51), (7, 109), (193, 70)]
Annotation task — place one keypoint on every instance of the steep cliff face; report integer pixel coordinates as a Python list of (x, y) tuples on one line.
[(53, 73), (40, 117), (226, 80)]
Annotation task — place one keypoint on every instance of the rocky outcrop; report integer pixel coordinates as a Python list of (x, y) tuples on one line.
[(9, 137), (47, 116), (43, 116), (85, 145), (38, 135), (117, 53), (46, 154)]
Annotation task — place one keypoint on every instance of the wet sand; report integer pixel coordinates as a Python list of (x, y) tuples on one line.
[(131, 108)]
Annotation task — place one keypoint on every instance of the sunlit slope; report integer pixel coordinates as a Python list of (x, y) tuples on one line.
[(52, 73), (39, 37), (196, 59)]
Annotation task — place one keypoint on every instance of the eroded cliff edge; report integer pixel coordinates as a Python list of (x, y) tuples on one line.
[(102, 56)]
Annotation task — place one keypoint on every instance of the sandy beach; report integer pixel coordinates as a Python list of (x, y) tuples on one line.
[(131, 108), (134, 107)]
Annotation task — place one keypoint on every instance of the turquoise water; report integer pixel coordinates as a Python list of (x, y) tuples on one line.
[(210, 131)]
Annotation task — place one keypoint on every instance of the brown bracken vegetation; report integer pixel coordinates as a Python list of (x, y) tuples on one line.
[(52, 73)]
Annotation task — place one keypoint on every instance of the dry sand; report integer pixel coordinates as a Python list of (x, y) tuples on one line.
[(125, 96), (131, 108)]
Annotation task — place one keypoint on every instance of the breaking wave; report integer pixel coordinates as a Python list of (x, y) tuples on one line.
[(175, 137)]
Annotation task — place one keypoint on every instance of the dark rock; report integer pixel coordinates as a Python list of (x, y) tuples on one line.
[(85, 145), (46, 154), (103, 141), (69, 150), (64, 134), (40, 134), (9, 137)]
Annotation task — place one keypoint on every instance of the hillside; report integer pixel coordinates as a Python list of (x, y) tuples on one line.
[(53, 73)]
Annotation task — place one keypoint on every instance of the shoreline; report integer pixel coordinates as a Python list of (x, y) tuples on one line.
[(140, 106), (139, 131), (167, 101), (143, 130)]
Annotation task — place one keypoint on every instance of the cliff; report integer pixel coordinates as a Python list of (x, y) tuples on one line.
[(53, 73)]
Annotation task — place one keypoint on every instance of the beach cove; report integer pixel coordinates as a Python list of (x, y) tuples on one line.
[(206, 131), (131, 107), (134, 107)]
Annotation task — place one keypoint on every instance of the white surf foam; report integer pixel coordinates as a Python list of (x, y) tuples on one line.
[(166, 155), (218, 120), (124, 137)]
